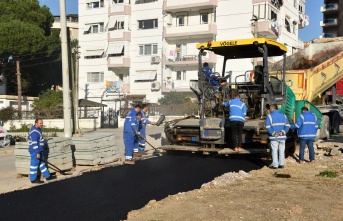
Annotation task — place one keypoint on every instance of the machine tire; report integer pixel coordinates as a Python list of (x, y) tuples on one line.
[(325, 129), (335, 121)]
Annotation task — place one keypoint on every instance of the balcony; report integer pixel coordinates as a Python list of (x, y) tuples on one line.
[(177, 85), (119, 9), (191, 31), (172, 6), (329, 22), (276, 3), (268, 29), (118, 62), (329, 8), (119, 35), (328, 35), (189, 60)]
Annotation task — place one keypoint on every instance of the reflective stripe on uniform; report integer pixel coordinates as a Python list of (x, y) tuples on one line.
[(237, 117)]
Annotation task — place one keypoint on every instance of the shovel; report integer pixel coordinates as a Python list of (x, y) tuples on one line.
[(156, 151), (55, 168)]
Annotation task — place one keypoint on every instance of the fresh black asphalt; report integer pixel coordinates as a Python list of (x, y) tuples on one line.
[(110, 193)]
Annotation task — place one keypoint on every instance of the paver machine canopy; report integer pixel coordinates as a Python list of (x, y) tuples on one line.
[(270, 89)]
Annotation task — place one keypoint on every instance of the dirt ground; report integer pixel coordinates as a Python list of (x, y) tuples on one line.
[(299, 194)]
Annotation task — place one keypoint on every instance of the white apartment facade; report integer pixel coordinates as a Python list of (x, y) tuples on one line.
[(141, 49)]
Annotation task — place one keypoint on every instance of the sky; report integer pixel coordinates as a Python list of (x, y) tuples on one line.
[(312, 9), (313, 30), (54, 5)]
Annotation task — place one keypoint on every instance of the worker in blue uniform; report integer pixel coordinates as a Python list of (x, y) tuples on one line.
[(36, 149), (238, 112), (307, 126), (210, 77), (277, 125), (131, 127), (142, 129)]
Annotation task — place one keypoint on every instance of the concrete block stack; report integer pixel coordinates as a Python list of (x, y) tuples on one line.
[(57, 151), (22, 158), (95, 149)]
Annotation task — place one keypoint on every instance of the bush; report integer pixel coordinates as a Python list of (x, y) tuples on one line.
[(6, 113)]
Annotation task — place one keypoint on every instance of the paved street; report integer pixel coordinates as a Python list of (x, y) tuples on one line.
[(8, 175)]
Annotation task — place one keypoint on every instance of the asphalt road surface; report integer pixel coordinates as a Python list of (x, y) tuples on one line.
[(109, 194)]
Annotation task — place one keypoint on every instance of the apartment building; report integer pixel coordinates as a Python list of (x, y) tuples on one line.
[(142, 49), (332, 15), (72, 24)]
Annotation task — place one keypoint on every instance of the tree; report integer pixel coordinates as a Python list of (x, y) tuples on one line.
[(49, 104), (178, 103), (25, 30)]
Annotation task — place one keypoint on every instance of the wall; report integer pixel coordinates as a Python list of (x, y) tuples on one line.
[(90, 123)]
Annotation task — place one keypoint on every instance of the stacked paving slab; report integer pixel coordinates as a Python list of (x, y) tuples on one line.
[(95, 149), (57, 151)]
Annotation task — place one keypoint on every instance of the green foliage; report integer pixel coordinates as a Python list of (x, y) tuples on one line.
[(174, 98), (329, 174), (25, 30), (26, 128), (6, 114), (49, 104)]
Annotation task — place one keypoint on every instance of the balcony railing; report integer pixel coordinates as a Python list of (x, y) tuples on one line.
[(329, 7), (118, 62), (328, 35), (119, 9), (197, 31), (329, 22), (177, 5)]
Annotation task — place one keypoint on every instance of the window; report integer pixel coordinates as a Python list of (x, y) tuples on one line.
[(94, 28), (181, 75), (301, 8), (117, 1), (148, 49), (295, 4), (119, 25), (287, 25), (204, 18), (95, 77), (273, 15), (295, 24), (96, 4), (144, 1), (147, 24), (180, 20)]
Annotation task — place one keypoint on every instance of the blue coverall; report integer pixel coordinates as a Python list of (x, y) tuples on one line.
[(142, 131), (211, 78), (130, 139), (36, 146)]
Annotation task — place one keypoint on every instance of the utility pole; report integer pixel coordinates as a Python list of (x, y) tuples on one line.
[(65, 71), (76, 91), (19, 87)]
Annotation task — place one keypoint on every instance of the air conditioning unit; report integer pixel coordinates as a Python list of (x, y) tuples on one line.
[(155, 86), (155, 59)]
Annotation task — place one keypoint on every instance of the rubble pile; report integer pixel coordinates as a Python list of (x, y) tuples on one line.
[(226, 179)]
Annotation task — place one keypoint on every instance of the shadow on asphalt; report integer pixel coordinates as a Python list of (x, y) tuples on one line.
[(109, 194)]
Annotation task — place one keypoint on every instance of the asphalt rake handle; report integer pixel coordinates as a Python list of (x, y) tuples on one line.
[(55, 168)]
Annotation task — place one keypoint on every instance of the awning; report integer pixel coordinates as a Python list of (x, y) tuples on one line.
[(98, 52), (86, 28), (88, 103), (111, 23), (145, 76), (115, 49)]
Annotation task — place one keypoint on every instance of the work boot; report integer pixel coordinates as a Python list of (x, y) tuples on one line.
[(37, 182), (237, 149), (312, 161), (51, 177), (129, 162), (135, 155), (143, 153), (301, 161)]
